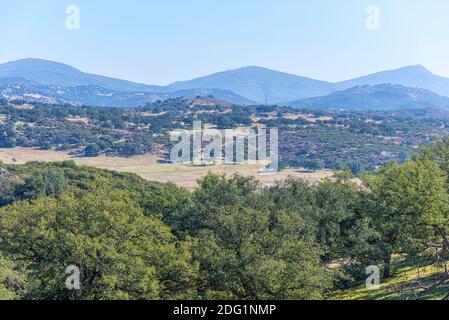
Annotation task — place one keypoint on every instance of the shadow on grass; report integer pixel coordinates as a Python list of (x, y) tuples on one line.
[(402, 285)]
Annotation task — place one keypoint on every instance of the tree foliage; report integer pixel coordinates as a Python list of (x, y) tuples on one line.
[(122, 254), (231, 238)]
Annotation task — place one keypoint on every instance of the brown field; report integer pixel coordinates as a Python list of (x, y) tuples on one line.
[(149, 167)]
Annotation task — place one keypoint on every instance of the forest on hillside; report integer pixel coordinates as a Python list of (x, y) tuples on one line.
[(229, 239), (309, 139)]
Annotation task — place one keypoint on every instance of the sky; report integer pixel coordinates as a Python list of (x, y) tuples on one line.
[(162, 41)]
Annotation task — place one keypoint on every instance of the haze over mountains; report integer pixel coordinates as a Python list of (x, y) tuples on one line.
[(47, 81)]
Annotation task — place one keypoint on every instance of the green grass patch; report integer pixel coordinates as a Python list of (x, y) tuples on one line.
[(403, 284)]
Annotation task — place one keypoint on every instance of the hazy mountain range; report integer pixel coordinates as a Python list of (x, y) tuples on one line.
[(41, 80)]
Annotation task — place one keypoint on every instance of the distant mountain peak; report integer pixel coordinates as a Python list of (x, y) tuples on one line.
[(260, 69), (38, 64), (415, 68), (255, 68)]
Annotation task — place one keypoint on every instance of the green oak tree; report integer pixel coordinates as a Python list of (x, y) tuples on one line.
[(248, 248), (409, 206), (121, 253)]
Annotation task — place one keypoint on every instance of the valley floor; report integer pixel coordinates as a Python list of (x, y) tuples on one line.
[(152, 168)]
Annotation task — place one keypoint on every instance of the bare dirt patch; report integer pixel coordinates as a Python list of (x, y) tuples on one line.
[(78, 119), (24, 107), (24, 155), (307, 117)]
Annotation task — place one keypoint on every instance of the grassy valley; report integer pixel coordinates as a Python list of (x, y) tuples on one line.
[(311, 140)]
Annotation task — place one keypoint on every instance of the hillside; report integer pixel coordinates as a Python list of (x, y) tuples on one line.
[(308, 139)]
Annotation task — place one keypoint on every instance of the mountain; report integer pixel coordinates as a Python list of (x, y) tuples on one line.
[(261, 85), (411, 76), (18, 89), (378, 97), (258, 83), (248, 85), (58, 74)]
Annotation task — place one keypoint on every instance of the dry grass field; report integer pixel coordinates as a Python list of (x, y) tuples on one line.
[(152, 169)]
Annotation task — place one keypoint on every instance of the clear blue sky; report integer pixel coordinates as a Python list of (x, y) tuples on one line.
[(160, 41)]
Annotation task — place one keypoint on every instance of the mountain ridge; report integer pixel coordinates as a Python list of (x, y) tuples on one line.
[(248, 85)]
